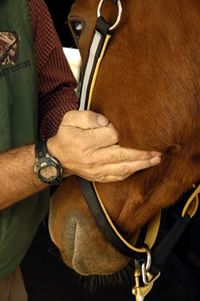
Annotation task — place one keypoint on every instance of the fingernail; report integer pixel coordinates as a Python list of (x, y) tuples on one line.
[(101, 120), (155, 160)]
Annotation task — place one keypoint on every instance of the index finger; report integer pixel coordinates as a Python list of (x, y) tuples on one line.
[(117, 153)]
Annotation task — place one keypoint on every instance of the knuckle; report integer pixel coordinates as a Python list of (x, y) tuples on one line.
[(124, 171), (122, 156)]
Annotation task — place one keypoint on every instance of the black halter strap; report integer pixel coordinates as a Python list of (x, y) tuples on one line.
[(163, 248)]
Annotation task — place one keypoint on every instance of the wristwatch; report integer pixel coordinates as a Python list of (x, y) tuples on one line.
[(47, 168)]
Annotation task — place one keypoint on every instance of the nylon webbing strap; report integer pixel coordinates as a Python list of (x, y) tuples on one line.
[(100, 34), (162, 251), (101, 220)]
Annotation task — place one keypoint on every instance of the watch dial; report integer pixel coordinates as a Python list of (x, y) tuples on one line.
[(49, 172)]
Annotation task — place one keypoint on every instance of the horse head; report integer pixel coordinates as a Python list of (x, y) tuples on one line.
[(148, 86)]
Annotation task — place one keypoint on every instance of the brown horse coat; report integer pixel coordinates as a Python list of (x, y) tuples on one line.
[(148, 86)]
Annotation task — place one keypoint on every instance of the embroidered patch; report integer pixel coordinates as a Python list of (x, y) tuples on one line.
[(8, 48)]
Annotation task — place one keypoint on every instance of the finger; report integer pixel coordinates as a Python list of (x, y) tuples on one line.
[(110, 179), (126, 169), (84, 119), (118, 171), (102, 137), (115, 173), (116, 153)]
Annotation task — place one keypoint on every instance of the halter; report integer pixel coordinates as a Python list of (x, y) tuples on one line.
[(147, 265)]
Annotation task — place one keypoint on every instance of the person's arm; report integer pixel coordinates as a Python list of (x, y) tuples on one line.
[(17, 177), (84, 146), (56, 82), (56, 96)]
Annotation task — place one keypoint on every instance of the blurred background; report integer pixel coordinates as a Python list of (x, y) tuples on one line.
[(59, 10)]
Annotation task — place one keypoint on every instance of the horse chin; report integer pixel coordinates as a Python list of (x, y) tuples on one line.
[(82, 253)]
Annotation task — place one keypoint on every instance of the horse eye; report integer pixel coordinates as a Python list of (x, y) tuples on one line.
[(77, 28)]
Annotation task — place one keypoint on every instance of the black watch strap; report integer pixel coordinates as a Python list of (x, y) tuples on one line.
[(44, 161), (41, 149)]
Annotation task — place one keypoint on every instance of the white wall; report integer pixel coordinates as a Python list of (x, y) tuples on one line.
[(74, 59)]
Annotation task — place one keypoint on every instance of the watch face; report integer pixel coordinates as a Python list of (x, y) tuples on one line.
[(48, 169), (49, 172)]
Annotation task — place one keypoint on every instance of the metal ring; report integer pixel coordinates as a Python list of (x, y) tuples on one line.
[(145, 267), (119, 5), (148, 262)]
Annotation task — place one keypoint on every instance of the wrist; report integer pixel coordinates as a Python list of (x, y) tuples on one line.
[(47, 167), (56, 153)]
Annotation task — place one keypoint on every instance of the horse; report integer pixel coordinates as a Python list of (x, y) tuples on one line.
[(148, 86)]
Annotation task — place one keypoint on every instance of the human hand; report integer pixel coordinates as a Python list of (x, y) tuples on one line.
[(86, 145)]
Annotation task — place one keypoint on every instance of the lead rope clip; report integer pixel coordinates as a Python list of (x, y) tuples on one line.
[(144, 280)]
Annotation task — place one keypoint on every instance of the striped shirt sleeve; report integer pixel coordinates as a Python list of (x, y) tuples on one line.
[(56, 82)]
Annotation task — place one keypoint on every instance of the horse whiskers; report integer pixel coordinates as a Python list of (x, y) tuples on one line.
[(95, 283)]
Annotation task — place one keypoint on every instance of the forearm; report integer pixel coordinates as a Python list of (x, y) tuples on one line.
[(17, 178)]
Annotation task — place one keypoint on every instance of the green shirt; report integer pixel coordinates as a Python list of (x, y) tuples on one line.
[(18, 126)]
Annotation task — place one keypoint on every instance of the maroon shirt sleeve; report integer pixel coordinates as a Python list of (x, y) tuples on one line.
[(55, 80)]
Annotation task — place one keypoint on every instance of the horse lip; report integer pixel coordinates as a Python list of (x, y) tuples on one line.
[(69, 255), (70, 235), (77, 265), (74, 254)]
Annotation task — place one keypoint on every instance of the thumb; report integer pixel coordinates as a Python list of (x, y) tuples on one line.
[(84, 119)]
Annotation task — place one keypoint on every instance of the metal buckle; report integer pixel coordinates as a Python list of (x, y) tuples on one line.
[(119, 5)]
